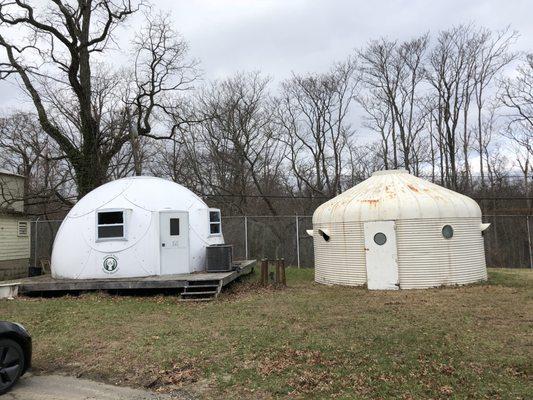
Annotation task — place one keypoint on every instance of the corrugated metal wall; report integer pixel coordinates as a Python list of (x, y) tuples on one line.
[(425, 257), (341, 260)]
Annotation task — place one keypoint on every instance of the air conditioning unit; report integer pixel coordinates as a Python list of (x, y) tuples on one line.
[(220, 258)]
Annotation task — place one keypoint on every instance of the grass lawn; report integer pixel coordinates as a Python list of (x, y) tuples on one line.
[(307, 341)]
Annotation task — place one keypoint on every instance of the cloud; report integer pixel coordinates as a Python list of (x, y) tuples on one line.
[(281, 36)]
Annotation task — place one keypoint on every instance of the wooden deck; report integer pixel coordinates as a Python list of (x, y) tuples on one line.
[(46, 284)]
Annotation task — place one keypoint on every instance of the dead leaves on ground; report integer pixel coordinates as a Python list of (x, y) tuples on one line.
[(179, 375)]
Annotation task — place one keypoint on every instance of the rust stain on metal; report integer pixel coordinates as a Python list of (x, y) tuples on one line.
[(372, 202)]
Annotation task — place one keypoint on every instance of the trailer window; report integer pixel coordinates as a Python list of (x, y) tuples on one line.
[(110, 225), (215, 222)]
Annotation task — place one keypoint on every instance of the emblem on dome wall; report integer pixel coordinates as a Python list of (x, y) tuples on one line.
[(110, 265)]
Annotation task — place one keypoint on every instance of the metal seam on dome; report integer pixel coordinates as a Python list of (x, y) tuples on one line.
[(129, 182)]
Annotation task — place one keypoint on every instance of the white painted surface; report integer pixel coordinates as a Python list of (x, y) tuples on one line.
[(78, 255), (381, 260), (9, 290), (419, 209), (174, 246), (392, 195)]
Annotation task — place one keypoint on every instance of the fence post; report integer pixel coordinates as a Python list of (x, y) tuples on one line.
[(297, 242), (246, 236), (529, 242), (35, 263)]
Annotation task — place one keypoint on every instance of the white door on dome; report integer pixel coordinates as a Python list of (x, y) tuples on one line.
[(381, 255), (174, 242)]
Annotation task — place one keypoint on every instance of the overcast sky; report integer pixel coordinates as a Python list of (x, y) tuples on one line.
[(281, 36)]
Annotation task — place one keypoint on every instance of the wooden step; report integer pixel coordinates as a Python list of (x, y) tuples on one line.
[(198, 293), (197, 289), (201, 286), (212, 282)]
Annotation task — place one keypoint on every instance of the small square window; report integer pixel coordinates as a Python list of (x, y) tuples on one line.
[(214, 229), (214, 216), (110, 217), (110, 231), (110, 225), (174, 226), (215, 222)]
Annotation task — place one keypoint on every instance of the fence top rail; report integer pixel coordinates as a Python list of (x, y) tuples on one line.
[(43, 221), (268, 216), (508, 215)]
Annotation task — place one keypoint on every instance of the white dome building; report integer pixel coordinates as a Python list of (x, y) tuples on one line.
[(135, 227), (394, 231)]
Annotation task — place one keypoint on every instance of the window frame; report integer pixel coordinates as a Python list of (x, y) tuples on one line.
[(170, 226), (27, 223), (219, 222), (452, 231), (124, 225)]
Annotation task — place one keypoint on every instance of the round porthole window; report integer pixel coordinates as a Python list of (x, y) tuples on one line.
[(380, 238), (447, 231)]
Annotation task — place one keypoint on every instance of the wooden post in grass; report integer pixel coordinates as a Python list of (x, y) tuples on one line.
[(278, 273), (264, 271), (282, 272)]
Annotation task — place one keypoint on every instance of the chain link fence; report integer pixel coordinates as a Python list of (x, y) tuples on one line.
[(508, 241)]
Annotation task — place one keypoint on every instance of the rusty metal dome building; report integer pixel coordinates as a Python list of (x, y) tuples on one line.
[(395, 230)]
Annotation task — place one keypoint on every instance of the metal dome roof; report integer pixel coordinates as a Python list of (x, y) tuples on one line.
[(393, 195)]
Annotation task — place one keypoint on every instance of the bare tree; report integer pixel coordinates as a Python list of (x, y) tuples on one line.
[(393, 72), (57, 57), (239, 136), (492, 55), (450, 74), (378, 119), (517, 97), (313, 115), (28, 151)]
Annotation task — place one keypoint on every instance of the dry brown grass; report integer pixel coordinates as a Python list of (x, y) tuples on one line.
[(307, 341)]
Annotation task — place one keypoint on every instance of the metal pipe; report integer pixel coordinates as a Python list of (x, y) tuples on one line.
[(297, 242), (246, 236), (35, 243), (529, 241)]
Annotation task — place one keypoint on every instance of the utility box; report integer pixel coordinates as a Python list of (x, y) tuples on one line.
[(219, 258)]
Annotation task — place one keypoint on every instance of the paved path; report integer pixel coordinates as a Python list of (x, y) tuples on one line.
[(58, 387)]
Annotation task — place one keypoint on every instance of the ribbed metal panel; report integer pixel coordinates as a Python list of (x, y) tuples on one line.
[(395, 195), (425, 257), (341, 260)]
